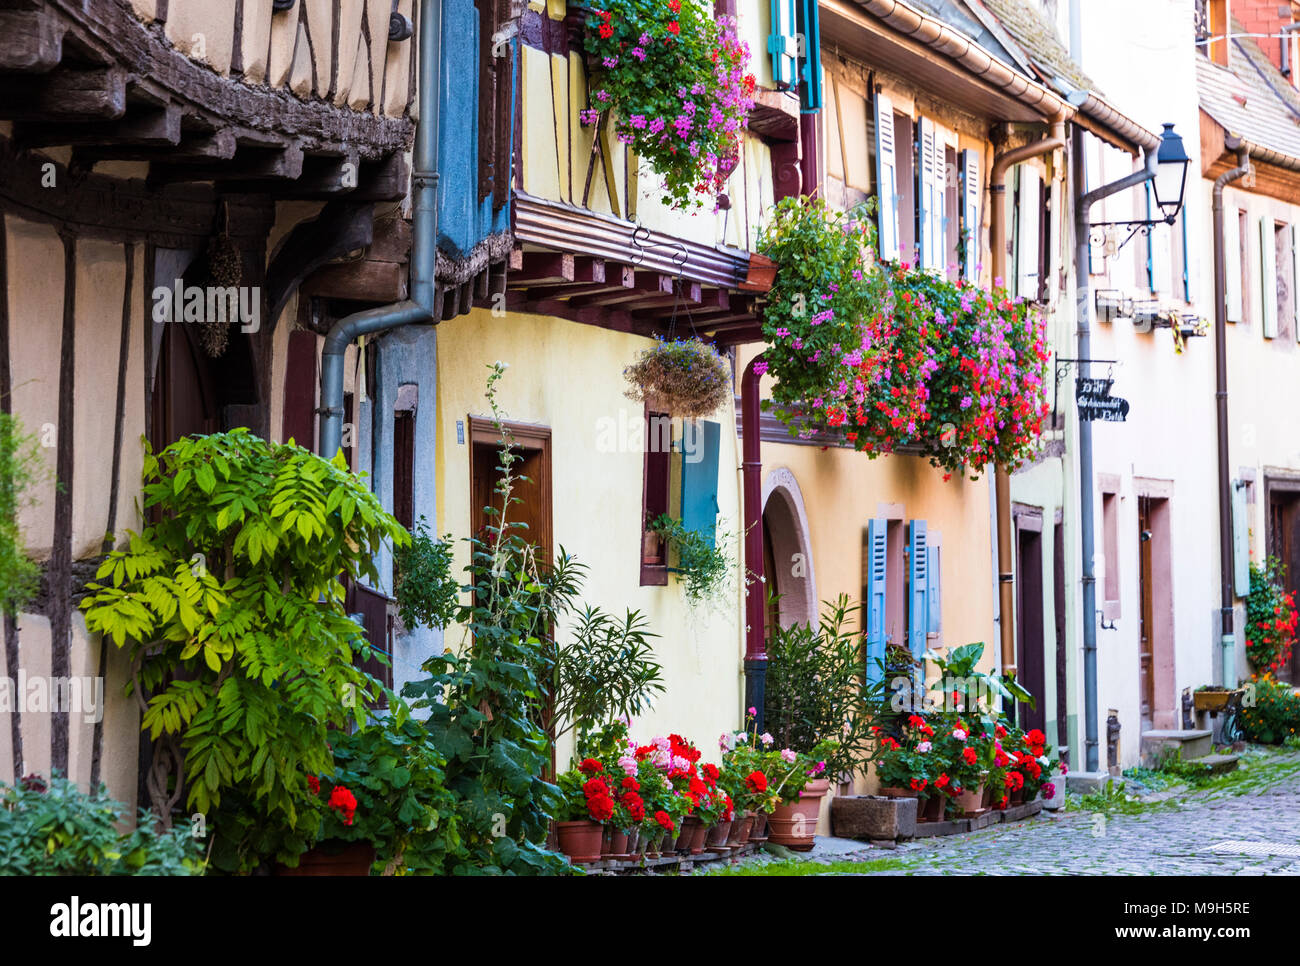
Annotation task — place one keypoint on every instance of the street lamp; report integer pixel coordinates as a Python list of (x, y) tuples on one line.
[(1171, 174)]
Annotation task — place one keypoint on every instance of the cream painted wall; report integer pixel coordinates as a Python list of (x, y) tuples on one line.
[(596, 496)]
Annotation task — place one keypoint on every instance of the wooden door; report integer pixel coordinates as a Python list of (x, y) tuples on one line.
[(1284, 544), (1058, 599), (1029, 626), (1146, 628)]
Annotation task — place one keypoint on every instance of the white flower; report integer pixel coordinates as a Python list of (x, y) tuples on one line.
[(959, 734), (923, 746), (1042, 760), (766, 738)]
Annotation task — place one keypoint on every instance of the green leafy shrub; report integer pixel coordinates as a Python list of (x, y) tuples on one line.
[(426, 593), (703, 563), (1271, 618), (55, 828), (231, 608), (1270, 712), (19, 574)]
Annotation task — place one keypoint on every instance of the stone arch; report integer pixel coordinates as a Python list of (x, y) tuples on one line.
[(785, 531)]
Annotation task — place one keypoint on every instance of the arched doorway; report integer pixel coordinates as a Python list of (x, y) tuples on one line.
[(787, 553)]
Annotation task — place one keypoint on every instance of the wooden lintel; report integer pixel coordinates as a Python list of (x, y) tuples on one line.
[(542, 268), (362, 281), (615, 278), (98, 94), (256, 164), (31, 41), (153, 127)]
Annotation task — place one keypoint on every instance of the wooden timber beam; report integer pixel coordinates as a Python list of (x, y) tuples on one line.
[(98, 94), (541, 268), (31, 41), (249, 164), (617, 278), (148, 127), (684, 295)]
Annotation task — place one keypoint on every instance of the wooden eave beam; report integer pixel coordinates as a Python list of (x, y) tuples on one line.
[(31, 41)]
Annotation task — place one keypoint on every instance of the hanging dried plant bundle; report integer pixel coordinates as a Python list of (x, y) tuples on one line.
[(225, 270), (685, 376)]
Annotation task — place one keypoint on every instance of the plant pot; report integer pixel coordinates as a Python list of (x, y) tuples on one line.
[(613, 844), (896, 791), (718, 835), (760, 274), (1018, 796), (740, 828), (635, 847), (1210, 700), (687, 833), (931, 809), (971, 801), (758, 831), (794, 825), (333, 857), (698, 835), (987, 798), (580, 840)]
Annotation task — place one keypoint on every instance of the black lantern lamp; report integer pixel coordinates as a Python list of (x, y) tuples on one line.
[(1171, 174)]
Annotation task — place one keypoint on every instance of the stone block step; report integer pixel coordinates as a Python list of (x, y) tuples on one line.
[(1159, 745), (1217, 764)]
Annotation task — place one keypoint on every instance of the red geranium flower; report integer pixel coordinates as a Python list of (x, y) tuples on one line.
[(600, 807), (756, 782), (664, 819), (313, 784), (590, 766), (343, 802)]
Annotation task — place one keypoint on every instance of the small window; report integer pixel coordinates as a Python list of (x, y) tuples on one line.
[(657, 472), (404, 455), (1110, 546)]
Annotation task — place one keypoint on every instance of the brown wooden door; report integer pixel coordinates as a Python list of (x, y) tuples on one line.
[(1058, 600), (1146, 629), (1284, 544), (1029, 626)]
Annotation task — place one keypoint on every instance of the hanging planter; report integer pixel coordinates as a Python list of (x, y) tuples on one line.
[(674, 77), (683, 378)]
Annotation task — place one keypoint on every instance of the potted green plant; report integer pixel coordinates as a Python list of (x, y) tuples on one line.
[(1271, 619), (681, 377), (703, 563), (588, 802)]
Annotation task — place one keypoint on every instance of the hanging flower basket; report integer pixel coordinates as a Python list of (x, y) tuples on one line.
[(675, 79), (683, 377)]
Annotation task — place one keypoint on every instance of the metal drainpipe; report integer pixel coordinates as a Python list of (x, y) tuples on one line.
[(1084, 200), (424, 233), (1227, 596), (756, 597), (1003, 163)]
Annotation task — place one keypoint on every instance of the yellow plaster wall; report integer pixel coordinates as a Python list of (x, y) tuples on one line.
[(569, 377)]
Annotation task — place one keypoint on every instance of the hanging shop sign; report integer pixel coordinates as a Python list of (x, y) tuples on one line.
[(1097, 404)]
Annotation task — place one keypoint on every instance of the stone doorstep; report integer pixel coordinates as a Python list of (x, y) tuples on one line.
[(1188, 743), (1091, 782), (873, 817), (1217, 764)]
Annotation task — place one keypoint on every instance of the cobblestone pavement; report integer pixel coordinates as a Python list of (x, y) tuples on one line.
[(1170, 836)]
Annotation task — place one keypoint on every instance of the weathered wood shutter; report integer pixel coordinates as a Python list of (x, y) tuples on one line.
[(1240, 540), (1267, 277), (1028, 206), (700, 480), (971, 192), (886, 188), (300, 389), (875, 557), (1232, 263), (918, 605), (929, 193), (783, 44)]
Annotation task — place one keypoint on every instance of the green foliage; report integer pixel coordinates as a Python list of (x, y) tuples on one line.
[(816, 688), (685, 376), (606, 670), (232, 611), (1271, 618), (19, 463), (704, 565), (60, 830), (486, 704), (426, 592), (1270, 711)]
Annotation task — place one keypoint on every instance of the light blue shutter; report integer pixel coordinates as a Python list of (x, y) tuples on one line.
[(1151, 246), (1240, 541), (783, 45), (886, 183), (1187, 260), (700, 480), (935, 588), (918, 606), (874, 574), (810, 57), (970, 192)]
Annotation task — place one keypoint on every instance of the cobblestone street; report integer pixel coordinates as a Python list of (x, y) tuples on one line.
[(1173, 835)]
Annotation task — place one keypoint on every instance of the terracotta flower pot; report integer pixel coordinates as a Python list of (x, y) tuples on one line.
[(896, 791), (687, 833), (333, 858), (758, 831), (971, 800), (931, 809), (740, 827), (719, 834), (613, 844), (580, 840), (1018, 796), (794, 825), (698, 835), (987, 798), (635, 847)]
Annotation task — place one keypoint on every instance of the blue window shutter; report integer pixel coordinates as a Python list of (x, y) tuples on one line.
[(1240, 541), (918, 604), (874, 592), (810, 58), (700, 479), (1151, 267), (935, 586), (886, 182), (783, 45)]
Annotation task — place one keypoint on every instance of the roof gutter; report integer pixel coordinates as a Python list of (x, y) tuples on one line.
[(418, 309), (1095, 109), (950, 42)]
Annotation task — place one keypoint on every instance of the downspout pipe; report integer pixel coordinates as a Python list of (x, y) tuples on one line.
[(418, 308), (1084, 200), (1227, 596), (756, 593), (1002, 164)]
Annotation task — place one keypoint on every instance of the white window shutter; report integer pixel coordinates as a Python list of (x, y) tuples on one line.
[(1162, 259), (1267, 277), (929, 193), (1240, 540), (970, 193), (1027, 211), (1232, 263), (886, 184)]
